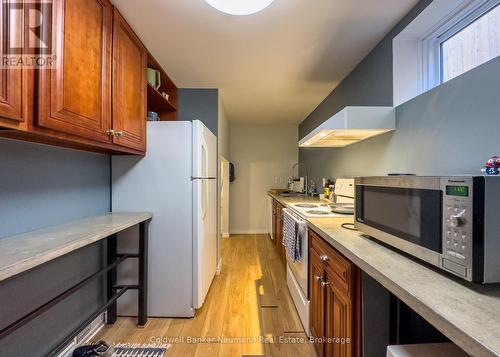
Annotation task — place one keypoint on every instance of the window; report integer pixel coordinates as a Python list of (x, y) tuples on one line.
[(447, 39), (464, 42)]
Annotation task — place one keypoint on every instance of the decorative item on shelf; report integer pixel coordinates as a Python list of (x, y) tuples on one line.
[(165, 95), (153, 116), (154, 77), (492, 166)]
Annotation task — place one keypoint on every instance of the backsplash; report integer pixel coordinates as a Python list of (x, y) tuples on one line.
[(42, 186)]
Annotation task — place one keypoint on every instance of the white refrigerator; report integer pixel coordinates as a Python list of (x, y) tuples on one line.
[(177, 182)]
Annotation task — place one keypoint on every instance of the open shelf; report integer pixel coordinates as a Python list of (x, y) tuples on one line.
[(166, 109), (158, 103)]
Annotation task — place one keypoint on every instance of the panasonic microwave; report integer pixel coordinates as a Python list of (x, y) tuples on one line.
[(451, 222)]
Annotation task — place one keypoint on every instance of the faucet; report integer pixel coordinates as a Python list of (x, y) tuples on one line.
[(298, 164)]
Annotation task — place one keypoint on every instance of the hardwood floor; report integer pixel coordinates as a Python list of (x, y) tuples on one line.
[(248, 302)]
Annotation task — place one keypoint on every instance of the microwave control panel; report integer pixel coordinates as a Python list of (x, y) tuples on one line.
[(457, 225)]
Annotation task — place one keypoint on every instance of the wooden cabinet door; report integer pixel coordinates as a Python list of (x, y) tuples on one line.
[(277, 208), (281, 247), (338, 323), (11, 80), (129, 86), (274, 221), (317, 296), (75, 96)]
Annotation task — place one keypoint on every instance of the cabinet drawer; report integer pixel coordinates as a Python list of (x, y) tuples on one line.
[(339, 276), (338, 268)]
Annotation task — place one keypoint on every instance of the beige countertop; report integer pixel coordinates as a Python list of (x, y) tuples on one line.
[(22, 252), (467, 314)]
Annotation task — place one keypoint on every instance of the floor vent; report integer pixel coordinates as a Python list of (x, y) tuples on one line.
[(139, 351), (83, 337), (89, 331)]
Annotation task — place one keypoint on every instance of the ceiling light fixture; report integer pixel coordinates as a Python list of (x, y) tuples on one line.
[(239, 7)]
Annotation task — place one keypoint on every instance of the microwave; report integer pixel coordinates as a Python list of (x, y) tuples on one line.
[(451, 222)]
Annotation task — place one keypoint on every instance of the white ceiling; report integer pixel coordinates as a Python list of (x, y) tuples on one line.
[(275, 66)]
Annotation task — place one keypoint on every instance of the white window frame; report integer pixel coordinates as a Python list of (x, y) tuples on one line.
[(431, 44)]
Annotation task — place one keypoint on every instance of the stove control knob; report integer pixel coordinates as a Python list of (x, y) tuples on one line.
[(458, 220)]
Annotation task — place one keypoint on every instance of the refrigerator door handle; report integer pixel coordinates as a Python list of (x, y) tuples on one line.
[(204, 187)]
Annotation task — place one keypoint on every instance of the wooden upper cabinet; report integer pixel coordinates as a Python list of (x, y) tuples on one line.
[(94, 96), (75, 96), (13, 84), (129, 86)]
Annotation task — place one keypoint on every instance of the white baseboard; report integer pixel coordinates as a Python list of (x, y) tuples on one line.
[(225, 235), (219, 267), (250, 231), (88, 333)]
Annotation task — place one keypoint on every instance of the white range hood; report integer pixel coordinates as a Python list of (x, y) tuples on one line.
[(351, 125)]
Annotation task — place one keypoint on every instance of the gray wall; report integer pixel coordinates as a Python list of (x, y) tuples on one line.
[(42, 186), (449, 130), (200, 104)]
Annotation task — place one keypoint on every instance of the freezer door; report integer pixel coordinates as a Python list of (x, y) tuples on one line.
[(205, 260), (204, 151), (205, 210)]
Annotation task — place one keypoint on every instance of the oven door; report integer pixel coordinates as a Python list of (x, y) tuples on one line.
[(404, 212)]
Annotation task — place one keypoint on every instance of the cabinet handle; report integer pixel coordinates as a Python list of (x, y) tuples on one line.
[(324, 258), (119, 133), (110, 132), (324, 284), (318, 278)]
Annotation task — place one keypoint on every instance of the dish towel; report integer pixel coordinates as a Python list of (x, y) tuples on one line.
[(293, 233)]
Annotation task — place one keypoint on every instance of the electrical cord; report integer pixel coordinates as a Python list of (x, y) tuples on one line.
[(349, 226)]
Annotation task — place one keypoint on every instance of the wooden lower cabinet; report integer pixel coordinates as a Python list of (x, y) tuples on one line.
[(281, 247), (274, 221), (335, 293), (278, 230), (338, 321), (317, 296)]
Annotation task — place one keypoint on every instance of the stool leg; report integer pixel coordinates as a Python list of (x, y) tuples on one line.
[(143, 273), (111, 278)]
